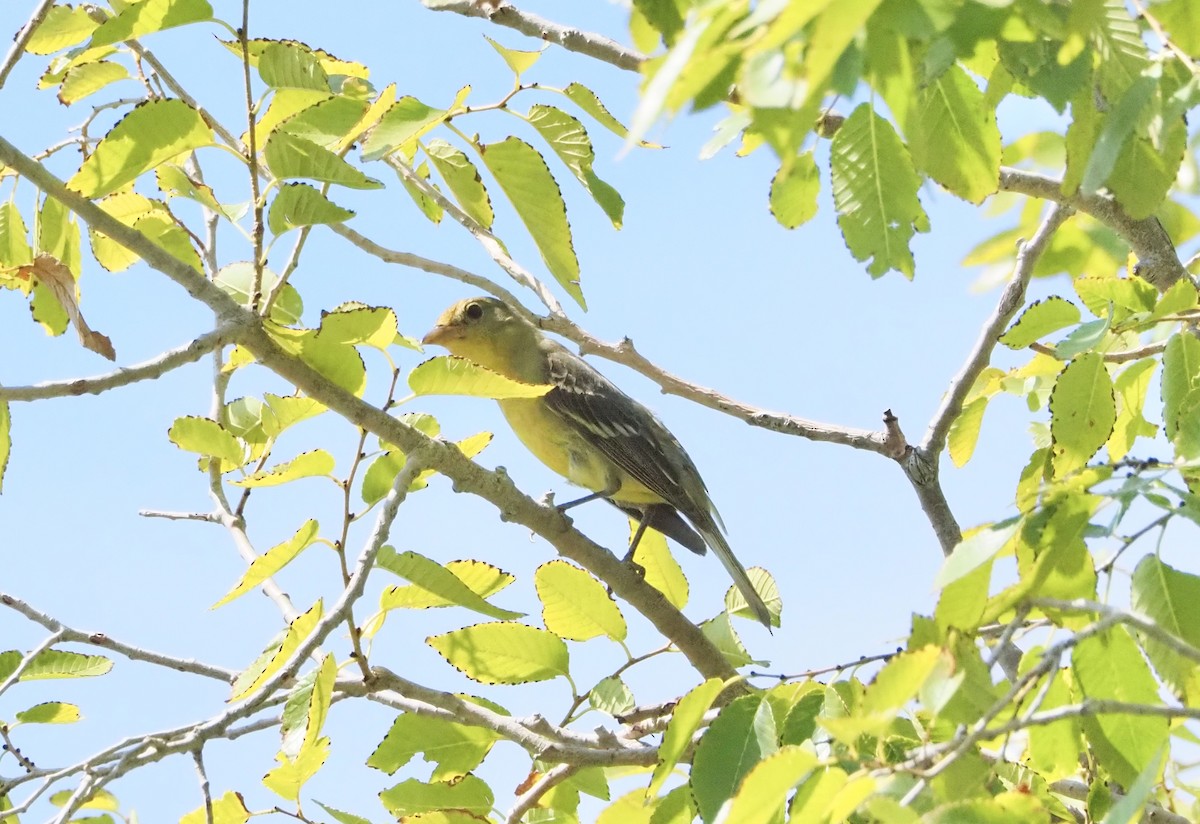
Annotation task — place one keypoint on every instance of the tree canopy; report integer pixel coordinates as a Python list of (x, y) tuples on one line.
[(297, 210)]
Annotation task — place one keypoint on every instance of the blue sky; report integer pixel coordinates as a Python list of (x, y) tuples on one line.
[(701, 277)]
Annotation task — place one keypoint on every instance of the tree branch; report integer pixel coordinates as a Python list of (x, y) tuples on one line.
[(1158, 261), (576, 40), (1011, 301), (22, 38), (150, 370), (99, 639)]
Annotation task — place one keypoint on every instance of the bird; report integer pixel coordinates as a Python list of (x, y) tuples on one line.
[(593, 434)]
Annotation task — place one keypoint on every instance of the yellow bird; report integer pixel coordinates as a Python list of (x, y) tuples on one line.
[(592, 433)]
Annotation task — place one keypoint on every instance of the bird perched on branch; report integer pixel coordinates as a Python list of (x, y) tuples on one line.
[(592, 433)]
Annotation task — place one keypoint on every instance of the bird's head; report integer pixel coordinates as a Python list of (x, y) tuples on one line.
[(485, 330)]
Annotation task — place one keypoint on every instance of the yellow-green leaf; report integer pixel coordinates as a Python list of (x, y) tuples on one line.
[(139, 19), (63, 26), (518, 61), (503, 653), (89, 78), (437, 585), (1082, 412), (289, 157), (662, 571), (286, 779), (964, 432), (762, 793), (685, 720), (1039, 319), (571, 143), (50, 712), (408, 799), (153, 133), (228, 809), (312, 464), (273, 560), (448, 375), (463, 180), (794, 190), (954, 137), (533, 192), (276, 657), (298, 204), (206, 437), (575, 605)]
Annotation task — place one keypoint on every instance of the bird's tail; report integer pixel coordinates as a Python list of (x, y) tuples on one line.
[(720, 547)]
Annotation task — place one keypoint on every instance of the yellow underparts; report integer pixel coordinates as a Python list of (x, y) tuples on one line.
[(561, 448)]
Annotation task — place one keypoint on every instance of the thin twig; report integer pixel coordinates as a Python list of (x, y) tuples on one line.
[(527, 800), (586, 43), (22, 38), (150, 370), (130, 651), (1010, 302)]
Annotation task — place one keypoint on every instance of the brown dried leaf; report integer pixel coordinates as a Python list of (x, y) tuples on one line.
[(58, 278)]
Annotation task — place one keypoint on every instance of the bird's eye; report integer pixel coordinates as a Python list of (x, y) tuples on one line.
[(473, 311)]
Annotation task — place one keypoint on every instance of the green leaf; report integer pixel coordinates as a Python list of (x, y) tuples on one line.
[(153, 133), (357, 323), (237, 281), (526, 180), (794, 190), (50, 712), (761, 796), (14, 246), (206, 437), (1109, 666), (277, 656), (328, 123), (612, 695), (586, 99), (1039, 319), (343, 817), (976, 549), (954, 138), (1181, 19), (481, 578), (875, 193), (575, 605), (719, 630), (463, 180), (339, 362), (63, 26), (287, 779), (89, 78), (313, 464), (571, 143), (456, 749), (290, 65), (53, 663), (290, 157), (685, 720), (1181, 375), (1146, 169), (1131, 387), (1171, 599), (298, 204), (137, 20), (740, 737), (1116, 128), (661, 569), (440, 586), (413, 797), (273, 560), (503, 653), (407, 119), (964, 432), (449, 375), (518, 61), (1082, 412), (901, 679), (228, 809), (1084, 338)]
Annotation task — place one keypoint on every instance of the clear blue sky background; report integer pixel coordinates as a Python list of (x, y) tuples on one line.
[(701, 277)]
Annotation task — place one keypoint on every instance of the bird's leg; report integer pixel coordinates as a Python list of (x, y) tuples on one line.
[(604, 493), (637, 537)]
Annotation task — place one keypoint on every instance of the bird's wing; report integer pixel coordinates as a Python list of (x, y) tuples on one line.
[(626, 433)]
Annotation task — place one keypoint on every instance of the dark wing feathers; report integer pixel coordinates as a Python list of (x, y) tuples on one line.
[(627, 434)]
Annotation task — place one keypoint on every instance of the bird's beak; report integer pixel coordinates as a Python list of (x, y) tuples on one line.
[(438, 336)]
